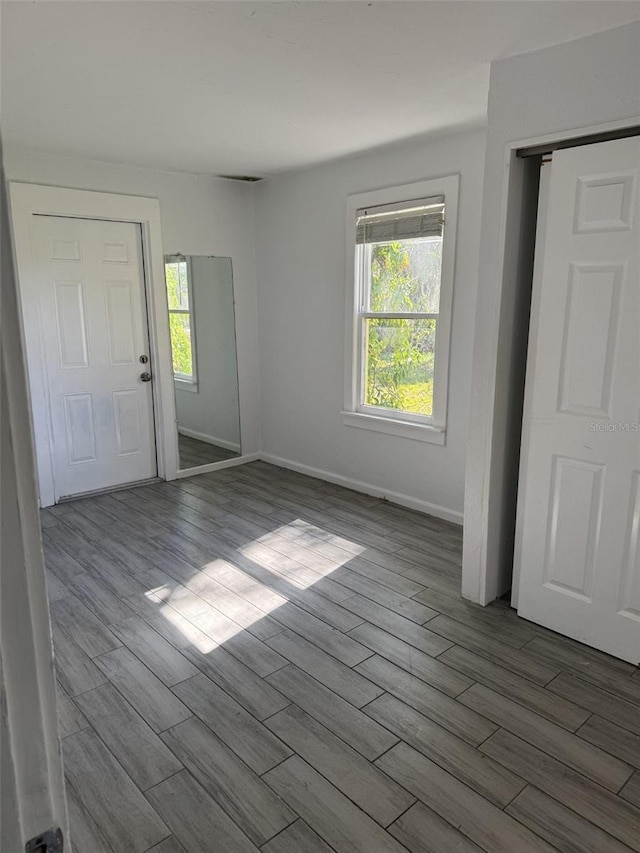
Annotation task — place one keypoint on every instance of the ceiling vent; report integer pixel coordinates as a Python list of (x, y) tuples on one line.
[(248, 178)]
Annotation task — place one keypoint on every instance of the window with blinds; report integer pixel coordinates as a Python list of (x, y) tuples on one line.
[(399, 264)]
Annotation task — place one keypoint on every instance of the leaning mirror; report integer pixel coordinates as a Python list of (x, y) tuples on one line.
[(203, 348)]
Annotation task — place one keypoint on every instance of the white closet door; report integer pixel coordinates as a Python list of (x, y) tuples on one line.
[(579, 502), (89, 285)]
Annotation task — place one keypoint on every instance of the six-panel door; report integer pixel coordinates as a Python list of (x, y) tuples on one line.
[(579, 501), (90, 283)]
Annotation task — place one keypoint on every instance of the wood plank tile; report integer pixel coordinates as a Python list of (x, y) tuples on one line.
[(169, 845), (413, 660), (63, 565), (507, 683), (376, 794), (241, 683), (247, 737), (122, 814), (84, 628), (334, 642), (416, 635), (85, 832), (596, 699), (195, 818), (74, 668), (568, 748), (613, 739), (560, 826), (328, 611), (595, 667), (572, 789), (327, 670), (432, 579), (70, 717), (154, 651), (631, 790), (394, 601), (485, 620), (243, 795), (464, 762), (421, 830), (233, 606), (578, 657), (297, 838), (100, 600), (517, 660), (338, 715), (56, 590), (138, 749), (381, 574), (170, 624), (328, 812), (155, 703), (485, 824), (446, 711)]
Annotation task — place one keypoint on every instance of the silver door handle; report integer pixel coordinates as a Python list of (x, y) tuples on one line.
[(145, 377)]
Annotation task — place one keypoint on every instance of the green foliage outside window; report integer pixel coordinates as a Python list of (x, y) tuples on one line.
[(405, 278), (179, 319)]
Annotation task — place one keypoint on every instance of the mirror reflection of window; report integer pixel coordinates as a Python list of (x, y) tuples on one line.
[(203, 346), (180, 301)]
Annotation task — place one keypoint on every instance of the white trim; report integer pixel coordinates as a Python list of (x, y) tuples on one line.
[(393, 426), (447, 186), (366, 488), (216, 466), (478, 574), (541, 227), (208, 439), (29, 199)]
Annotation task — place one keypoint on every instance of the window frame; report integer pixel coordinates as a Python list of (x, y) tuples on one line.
[(356, 413), (182, 381)]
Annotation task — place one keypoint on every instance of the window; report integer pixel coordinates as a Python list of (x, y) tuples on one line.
[(180, 301), (400, 302)]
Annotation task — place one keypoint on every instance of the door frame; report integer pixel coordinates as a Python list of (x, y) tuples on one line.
[(491, 481), (27, 200)]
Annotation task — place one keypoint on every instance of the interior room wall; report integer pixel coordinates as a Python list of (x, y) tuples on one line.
[(301, 252), (564, 91), (201, 215), (211, 413)]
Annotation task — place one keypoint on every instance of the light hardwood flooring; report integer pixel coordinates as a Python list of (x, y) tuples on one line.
[(252, 659), (193, 452)]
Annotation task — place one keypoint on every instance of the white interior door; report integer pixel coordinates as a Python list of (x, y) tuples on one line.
[(89, 287), (578, 556)]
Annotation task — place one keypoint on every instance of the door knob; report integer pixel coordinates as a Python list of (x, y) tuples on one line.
[(145, 377)]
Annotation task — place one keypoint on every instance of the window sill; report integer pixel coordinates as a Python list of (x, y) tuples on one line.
[(391, 426), (185, 385)]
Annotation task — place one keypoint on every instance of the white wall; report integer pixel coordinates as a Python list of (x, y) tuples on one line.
[(200, 216), (301, 288), (560, 92), (32, 794), (211, 413)]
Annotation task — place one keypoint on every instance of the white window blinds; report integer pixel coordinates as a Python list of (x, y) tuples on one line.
[(386, 223)]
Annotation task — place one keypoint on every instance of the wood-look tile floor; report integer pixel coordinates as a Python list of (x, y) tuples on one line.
[(252, 659)]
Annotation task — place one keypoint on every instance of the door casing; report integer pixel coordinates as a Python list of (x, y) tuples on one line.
[(27, 200), (492, 477)]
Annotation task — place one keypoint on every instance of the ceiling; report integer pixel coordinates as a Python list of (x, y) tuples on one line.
[(258, 88)]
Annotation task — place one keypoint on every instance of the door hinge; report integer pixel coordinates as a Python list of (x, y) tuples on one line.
[(48, 842)]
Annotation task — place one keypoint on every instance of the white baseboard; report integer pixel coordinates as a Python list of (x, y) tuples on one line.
[(209, 439), (368, 489)]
